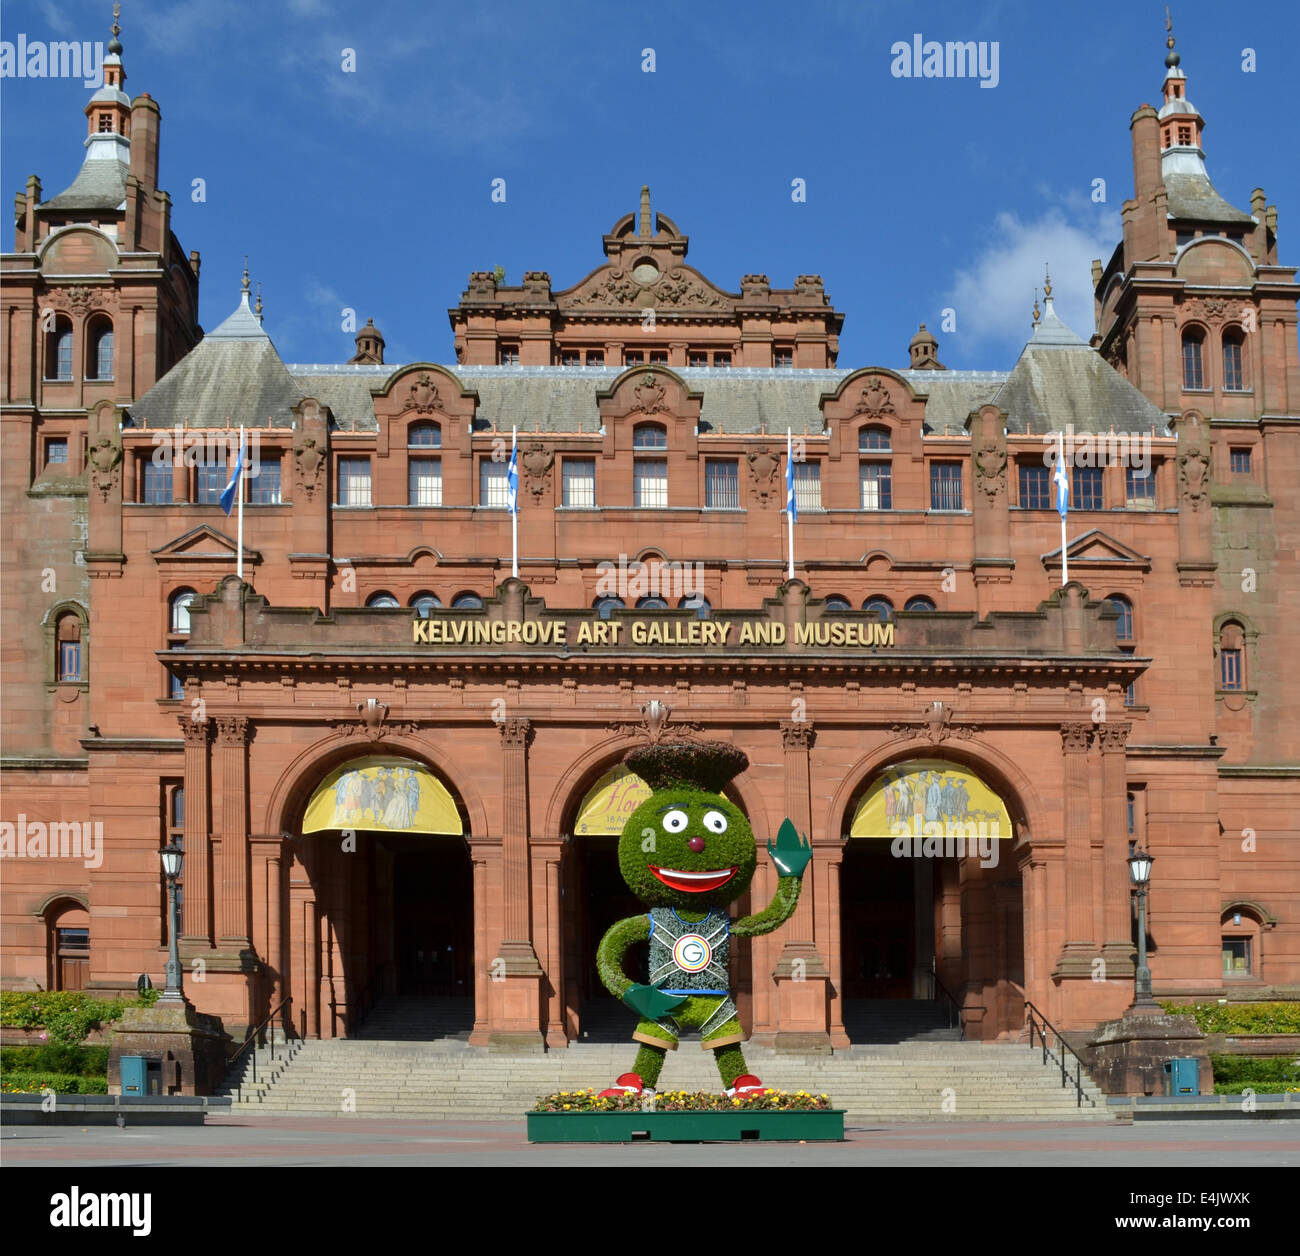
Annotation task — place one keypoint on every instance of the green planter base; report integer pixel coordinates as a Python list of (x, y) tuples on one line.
[(685, 1127)]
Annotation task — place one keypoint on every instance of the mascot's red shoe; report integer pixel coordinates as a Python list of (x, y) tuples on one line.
[(627, 1084), (745, 1084)]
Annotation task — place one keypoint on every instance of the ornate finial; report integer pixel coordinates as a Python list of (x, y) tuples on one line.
[(257, 309), (1171, 58), (244, 286), (643, 228), (1037, 315), (115, 44), (1047, 283)]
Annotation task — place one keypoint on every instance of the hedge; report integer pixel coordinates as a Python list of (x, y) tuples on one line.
[(56, 1057), (67, 1015), (60, 1083), (1262, 1074), (1240, 1018)]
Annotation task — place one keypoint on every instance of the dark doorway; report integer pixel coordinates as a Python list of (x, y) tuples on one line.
[(433, 900), (877, 911)]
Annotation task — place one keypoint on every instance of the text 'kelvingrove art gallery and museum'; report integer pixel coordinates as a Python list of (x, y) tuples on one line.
[(402, 772)]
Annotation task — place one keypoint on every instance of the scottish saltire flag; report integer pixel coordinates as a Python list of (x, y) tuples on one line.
[(232, 486), (512, 476), (1061, 480), (790, 506)]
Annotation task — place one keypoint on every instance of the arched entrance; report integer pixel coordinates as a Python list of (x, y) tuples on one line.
[(595, 896), (930, 906), (380, 905)]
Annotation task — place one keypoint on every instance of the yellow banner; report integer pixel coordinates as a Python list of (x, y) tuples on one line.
[(910, 796), (384, 795), (610, 801)]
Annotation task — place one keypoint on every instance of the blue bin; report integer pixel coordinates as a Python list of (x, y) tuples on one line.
[(1183, 1077), (141, 1075)]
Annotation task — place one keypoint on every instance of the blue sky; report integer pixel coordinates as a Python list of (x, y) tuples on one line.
[(372, 189)]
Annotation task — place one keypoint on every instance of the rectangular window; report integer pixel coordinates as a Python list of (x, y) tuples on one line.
[(579, 482), (1035, 486), (1130, 692), (1085, 491), (1236, 957), (208, 483), (69, 660), (424, 482), (264, 488), (56, 451), (1193, 374), (1184, 135), (698, 359), (807, 486), (633, 357), (1234, 375), (1230, 669), (722, 484), (158, 482), (570, 357), (595, 357), (508, 355), (876, 479), (658, 357), (722, 359), (945, 486), (1240, 461), (492, 485), (650, 481), (354, 482), (175, 686), (782, 357), (1139, 487)]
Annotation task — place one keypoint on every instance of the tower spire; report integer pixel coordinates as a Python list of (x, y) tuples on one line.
[(257, 309), (1037, 312), (643, 228), (1172, 59), (243, 287), (115, 44)]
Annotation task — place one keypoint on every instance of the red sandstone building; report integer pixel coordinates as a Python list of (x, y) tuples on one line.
[(924, 656)]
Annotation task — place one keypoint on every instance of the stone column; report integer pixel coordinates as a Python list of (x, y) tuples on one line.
[(196, 925), (1116, 909), (801, 974), (311, 963), (232, 901), (487, 971), (922, 926), (274, 936), (1080, 942)]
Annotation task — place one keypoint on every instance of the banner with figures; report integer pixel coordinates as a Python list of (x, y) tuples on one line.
[(609, 802), (384, 795), (908, 796)]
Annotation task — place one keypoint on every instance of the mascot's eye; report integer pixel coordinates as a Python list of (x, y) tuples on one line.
[(715, 822), (675, 821)]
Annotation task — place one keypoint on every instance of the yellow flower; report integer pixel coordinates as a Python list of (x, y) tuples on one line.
[(768, 1091), (735, 1103), (823, 1096), (567, 1106)]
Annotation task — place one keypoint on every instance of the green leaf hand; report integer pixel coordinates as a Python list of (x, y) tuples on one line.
[(651, 1002), (791, 852)]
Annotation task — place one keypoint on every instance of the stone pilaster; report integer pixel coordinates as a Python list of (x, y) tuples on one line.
[(196, 909), (1080, 943), (232, 901), (1116, 905)]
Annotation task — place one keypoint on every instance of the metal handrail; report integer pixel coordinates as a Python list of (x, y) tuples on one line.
[(252, 1037), (1035, 1016), (954, 1008)]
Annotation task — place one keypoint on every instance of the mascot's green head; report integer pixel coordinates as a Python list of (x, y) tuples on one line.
[(686, 845)]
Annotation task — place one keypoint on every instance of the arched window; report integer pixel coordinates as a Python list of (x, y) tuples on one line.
[(424, 603), (698, 603), (873, 438), (178, 629), (58, 349), (467, 602), (1193, 359), (382, 600), (1240, 930), (1234, 360), (604, 605), (837, 604), (67, 635), (424, 436), (1125, 637), (99, 347), (919, 604), (651, 604), (1232, 656), (881, 604), (68, 945), (649, 436)]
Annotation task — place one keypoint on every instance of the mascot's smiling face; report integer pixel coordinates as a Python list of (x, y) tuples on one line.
[(687, 848)]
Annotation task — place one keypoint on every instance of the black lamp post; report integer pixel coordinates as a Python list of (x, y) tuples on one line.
[(1139, 870), (171, 861)]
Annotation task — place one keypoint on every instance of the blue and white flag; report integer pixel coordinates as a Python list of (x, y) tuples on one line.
[(1061, 480), (233, 484), (512, 477), (791, 508)]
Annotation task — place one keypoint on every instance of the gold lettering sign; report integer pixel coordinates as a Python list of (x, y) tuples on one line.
[(640, 634)]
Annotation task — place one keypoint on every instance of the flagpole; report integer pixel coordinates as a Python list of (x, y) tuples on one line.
[(789, 512), (1060, 470), (514, 511), (1065, 559), (239, 494)]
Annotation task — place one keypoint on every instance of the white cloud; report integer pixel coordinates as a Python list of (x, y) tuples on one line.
[(58, 20), (994, 295)]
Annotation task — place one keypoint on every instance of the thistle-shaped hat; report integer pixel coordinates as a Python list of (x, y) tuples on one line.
[(706, 765)]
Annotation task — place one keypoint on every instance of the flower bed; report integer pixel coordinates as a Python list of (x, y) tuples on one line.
[(768, 1100)]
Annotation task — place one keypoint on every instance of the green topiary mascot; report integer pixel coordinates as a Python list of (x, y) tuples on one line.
[(687, 852)]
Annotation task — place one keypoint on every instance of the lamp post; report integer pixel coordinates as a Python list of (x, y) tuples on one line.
[(171, 861), (1139, 870)]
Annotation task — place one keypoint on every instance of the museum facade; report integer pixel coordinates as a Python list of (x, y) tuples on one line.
[(396, 768)]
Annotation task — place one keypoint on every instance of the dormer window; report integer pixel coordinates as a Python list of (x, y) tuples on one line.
[(649, 436)]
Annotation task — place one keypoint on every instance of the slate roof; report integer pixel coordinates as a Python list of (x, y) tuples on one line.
[(1059, 380), (100, 184), (1193, 196)]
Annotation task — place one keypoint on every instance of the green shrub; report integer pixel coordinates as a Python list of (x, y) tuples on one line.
[(60, 1083), (67, 1015), (1263, 1074), (56, 1057), (1240, 1018)]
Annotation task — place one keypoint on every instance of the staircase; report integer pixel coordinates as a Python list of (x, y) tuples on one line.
[(881, 1021), (892, 1082)]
